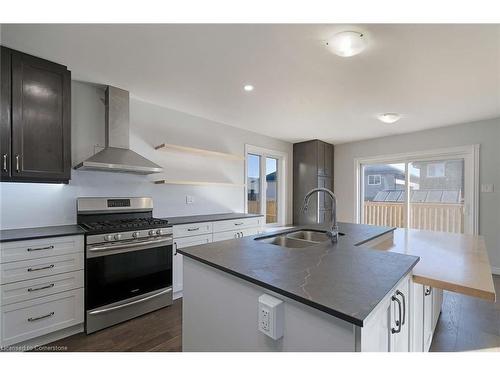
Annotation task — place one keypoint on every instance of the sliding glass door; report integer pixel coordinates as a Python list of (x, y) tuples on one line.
[(428, 192)]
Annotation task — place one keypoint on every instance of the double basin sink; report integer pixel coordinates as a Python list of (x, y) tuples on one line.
[(297, 239)]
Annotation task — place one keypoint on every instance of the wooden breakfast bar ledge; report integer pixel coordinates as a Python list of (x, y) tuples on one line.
[(454, 262)]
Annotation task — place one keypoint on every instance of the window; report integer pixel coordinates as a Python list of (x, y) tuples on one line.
[(265, 187), (374, 179), (435, 170)]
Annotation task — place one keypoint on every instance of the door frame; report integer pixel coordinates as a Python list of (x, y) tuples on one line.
[(470, 154), (281, 181)]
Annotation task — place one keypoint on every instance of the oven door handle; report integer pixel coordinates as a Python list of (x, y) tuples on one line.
[(96, 312), (132, 244)]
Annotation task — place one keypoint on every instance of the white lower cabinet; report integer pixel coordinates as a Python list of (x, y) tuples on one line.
[(180, 243), (41, 290), (388, 327), (25, 320), (184, 236), (427, 307)]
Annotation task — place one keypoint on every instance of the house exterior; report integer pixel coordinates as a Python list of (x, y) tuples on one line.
[(382, 177)]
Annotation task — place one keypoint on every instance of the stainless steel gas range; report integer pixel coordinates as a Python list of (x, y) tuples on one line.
[(128, 260)]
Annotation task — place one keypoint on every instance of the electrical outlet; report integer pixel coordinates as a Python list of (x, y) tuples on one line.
[(271, 316), (487, 188), (189, 199)]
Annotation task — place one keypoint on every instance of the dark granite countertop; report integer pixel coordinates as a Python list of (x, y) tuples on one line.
[(341, 279), (176, 220), (41, 232)]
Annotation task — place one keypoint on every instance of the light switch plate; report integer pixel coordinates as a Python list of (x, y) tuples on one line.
[(189, 199), (271, 316), (487, 188)]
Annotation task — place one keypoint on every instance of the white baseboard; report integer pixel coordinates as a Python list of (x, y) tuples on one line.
[(177, 295), (495, 270)]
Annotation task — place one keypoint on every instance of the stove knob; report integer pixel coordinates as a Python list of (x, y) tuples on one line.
[(136, 234), (108, 237), (159, 232), (151, 232), (118, 237)]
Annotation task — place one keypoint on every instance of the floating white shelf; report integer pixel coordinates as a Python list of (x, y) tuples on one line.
[(201, 183), (166, 146)]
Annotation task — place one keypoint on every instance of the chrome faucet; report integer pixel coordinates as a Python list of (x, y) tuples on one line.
[(334, 231)]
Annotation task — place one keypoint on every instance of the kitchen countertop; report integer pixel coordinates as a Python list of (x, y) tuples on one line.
[(341, 279), (176, 220), (41, 232), (454, 262)]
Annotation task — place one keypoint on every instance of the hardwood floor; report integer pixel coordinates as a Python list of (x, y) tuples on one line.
[(159, 331), (468, 324), (465, 324)]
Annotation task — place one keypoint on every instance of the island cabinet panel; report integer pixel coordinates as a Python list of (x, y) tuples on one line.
[(387, 329), (227, 320), (38, 147)]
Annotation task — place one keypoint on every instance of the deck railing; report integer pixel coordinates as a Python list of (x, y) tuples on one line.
[(442, 217), (271, 217)]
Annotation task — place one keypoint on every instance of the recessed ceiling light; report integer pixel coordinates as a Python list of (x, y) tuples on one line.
[(389, 118), (248, 88), (347, 43)]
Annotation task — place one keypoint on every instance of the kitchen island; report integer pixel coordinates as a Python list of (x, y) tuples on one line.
[(337, 296)]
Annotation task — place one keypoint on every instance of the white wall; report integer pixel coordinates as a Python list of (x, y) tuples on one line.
[(486, 133), (30, 205)]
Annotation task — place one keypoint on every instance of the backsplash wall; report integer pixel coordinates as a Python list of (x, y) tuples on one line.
[(30, 205)]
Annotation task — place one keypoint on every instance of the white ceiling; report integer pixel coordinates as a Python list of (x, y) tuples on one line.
[(434, 75)]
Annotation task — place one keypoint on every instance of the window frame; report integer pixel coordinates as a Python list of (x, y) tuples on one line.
[(281, 200)]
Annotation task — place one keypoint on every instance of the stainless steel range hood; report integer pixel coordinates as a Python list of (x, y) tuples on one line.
[(117, 156)]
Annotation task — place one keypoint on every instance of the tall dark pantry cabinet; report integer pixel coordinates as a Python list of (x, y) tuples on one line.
[(312, 168), (35, 115)]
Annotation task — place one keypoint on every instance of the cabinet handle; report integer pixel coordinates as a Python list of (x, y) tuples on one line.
[(5, 163), (41, 268), (175, 248), (239, 223), (41, 317), (398, 322), (428, 291), (17, 163), (404, 306), (40, 248), (193, 229), (41, 288)]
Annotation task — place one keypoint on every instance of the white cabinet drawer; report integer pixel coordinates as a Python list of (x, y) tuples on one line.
[(23, 250), (228, 235), (31, 269), (195, 229), (225, 225), (40, 287), (25, 320), (192, 241)]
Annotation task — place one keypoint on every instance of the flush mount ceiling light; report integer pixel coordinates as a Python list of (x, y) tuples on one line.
[(389, 118), (248, 88), (347, 43)]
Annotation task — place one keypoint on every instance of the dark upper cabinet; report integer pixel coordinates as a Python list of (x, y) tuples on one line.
[(5, 113), (312, 167), (40, 119)]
